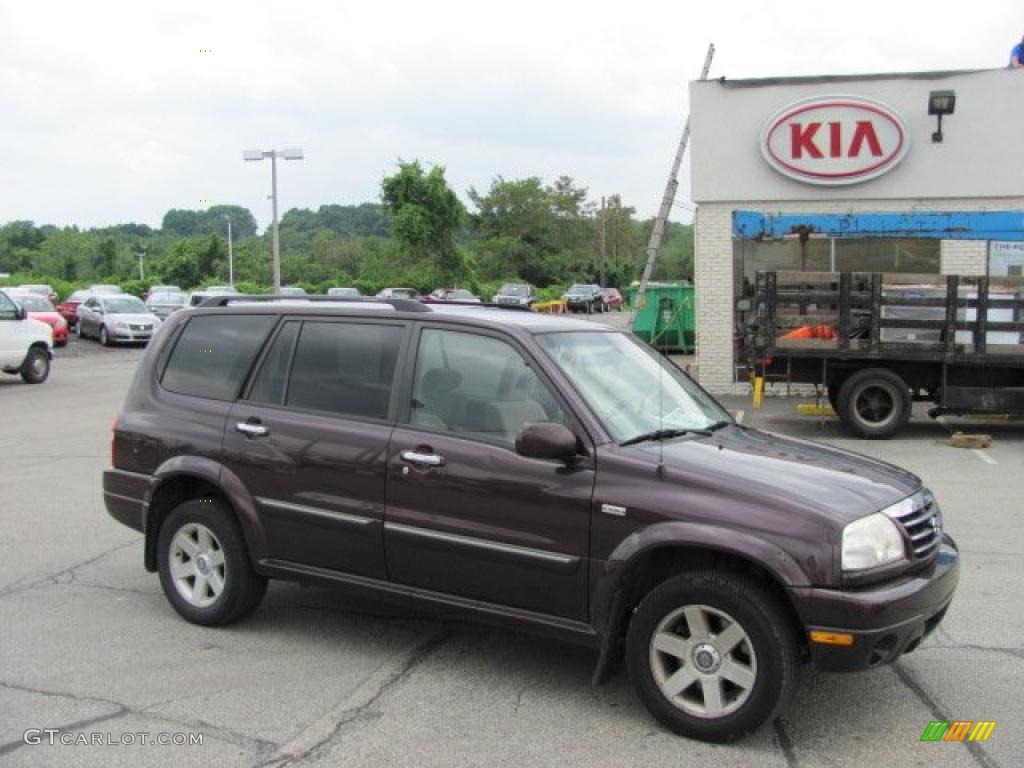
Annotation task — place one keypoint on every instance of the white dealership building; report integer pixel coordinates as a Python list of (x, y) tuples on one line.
[(849, 173)]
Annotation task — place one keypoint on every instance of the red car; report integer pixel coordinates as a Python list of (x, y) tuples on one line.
[(612, 298), (69, 309), (39, 308)]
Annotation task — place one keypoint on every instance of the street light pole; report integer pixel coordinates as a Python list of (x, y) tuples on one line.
[(141, 275), (231, 258), (273, 154), (277, 239)]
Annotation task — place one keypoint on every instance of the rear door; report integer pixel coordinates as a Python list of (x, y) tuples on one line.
[(309, 440), (469, 516)]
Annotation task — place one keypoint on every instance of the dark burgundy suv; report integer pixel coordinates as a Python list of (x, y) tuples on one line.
[(536, 471)]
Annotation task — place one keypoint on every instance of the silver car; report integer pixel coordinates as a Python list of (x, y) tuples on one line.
[(163, 304), (116, 318)]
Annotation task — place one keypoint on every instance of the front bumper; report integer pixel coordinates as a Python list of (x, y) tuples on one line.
[(885, 620), (121, 334)]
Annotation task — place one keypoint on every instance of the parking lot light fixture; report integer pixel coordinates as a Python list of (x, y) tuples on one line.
[(273, 154)]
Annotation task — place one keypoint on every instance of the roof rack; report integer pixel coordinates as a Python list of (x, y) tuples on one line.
[(399, 305)]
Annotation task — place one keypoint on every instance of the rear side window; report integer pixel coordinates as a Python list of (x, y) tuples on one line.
[(345, 368), (214, 353)]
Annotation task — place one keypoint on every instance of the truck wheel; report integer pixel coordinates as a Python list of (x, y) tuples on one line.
[(36, 367), (874, 403), (204, 566), (712, 655)]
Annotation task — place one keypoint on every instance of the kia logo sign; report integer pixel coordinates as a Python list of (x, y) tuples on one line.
[(834, 140)]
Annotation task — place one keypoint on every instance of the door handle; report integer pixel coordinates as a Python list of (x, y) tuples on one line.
[(250, 429), (423, 459)]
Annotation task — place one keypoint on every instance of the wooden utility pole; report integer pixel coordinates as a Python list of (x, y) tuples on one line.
[(654, 244), (604, 240)]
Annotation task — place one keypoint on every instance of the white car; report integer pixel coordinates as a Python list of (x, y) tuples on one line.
[(26, 345)]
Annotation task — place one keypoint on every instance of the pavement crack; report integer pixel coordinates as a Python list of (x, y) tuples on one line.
[(62, 576), (357, 707), (1017, 653), (938, 710), (121, 710)]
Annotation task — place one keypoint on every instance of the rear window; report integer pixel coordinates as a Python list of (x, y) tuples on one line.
[(345, 369), (214, 353)]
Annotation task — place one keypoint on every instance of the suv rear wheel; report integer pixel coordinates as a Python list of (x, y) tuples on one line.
[(204, 566), (712, 655)]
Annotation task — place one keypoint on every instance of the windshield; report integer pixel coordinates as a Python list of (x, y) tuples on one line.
[(343, 292), (125, 306), (462, 295), (35, 304), (630, 388), (514, 290), (79, 296), (578, 288)]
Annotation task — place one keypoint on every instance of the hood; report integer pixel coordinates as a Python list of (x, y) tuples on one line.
[(134, 317), (50, 318), (786, 473)]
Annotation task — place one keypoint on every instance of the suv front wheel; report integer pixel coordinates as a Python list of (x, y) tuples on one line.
[(204, 566), (712, 655)]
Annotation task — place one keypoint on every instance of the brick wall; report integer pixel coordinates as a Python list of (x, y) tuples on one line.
[(713, 266)]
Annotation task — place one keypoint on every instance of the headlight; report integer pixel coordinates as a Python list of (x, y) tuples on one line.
[(871, 541)]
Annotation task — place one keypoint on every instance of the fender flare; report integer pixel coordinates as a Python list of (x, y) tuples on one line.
[(230, 487), (608, 605)]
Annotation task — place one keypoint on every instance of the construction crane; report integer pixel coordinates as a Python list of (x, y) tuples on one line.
[(658, 232)]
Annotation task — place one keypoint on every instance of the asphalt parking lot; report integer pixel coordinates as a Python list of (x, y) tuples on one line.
[(89, 644)]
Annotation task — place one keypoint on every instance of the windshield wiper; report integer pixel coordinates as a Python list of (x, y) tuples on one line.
[(664, 434), (718, 425)]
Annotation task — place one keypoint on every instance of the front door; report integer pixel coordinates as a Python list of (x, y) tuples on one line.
[(466, 514), (309, 440)]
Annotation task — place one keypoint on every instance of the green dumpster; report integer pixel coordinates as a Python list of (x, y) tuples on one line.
[(667, 320)]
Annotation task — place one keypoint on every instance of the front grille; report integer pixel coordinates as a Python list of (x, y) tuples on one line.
[(139, 327), (922, 522)]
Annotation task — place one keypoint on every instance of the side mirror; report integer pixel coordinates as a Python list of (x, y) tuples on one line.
[(546, 440), (20, 312)]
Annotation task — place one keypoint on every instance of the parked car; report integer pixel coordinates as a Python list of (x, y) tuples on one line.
[(537, 472), (39, 308), (612, 299), (399, 293), (46, 291), (453, 294), (515, 295), (101, 288), (26, 345), (292, 290), (163, 304), (583, 297), (69, 308), (344, 292), (195, 298), (155, 289), (116, 318)]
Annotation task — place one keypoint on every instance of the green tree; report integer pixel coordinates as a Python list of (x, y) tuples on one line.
[(426, 217)]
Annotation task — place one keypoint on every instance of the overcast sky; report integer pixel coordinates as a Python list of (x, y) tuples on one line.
[(113, 112)]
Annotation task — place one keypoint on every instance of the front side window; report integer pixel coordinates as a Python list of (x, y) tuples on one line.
[(214, 353), (479, 387), (8, 309), (347, 369), (630, 390)]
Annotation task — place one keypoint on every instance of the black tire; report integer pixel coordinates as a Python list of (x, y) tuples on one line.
[(832, 393), (36, 367), (242, 588), (104, 336), (78, 330), (874, 403), (768, 654)]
